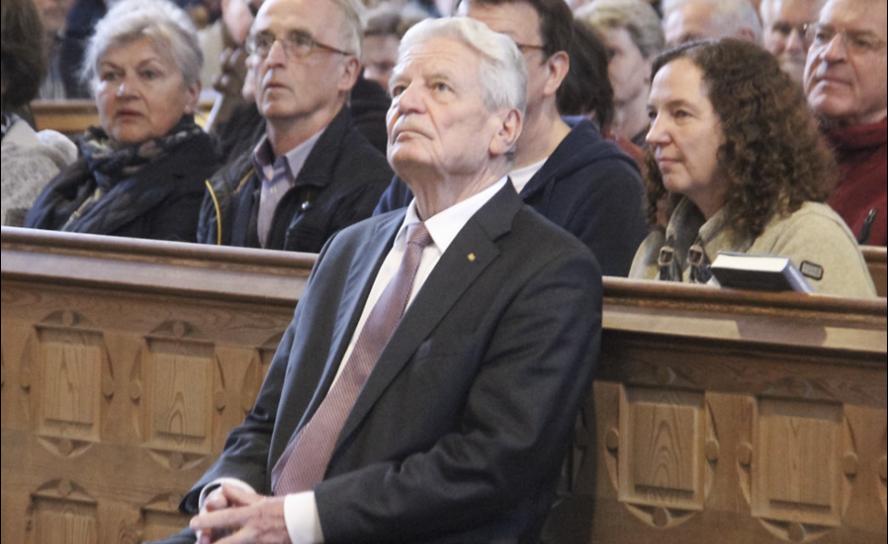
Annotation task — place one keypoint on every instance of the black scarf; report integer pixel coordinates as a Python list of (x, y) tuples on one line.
[(109, 163)]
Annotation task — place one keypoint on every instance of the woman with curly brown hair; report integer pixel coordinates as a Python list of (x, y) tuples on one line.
[(736, 159)]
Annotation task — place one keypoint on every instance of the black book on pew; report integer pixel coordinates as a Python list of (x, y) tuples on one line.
[(758, 272)]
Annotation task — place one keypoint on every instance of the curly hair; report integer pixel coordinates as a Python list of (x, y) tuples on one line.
[(23, 59), (773, 158)]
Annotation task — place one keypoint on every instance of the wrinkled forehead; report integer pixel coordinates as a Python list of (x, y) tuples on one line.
[(436, 51), (790, 11), (857, 15), (313, 16)]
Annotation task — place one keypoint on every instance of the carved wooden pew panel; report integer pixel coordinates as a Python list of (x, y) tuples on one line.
[(733, 417), (125, 363)]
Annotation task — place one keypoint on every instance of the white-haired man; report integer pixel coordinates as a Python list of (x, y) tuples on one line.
[(572, 176), (448, 424), (784, 24), (688, 20), (845, 82)]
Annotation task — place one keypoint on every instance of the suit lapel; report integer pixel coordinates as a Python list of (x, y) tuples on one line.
[(469, 254)]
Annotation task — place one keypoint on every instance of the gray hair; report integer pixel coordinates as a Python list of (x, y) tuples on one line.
[(352, 30), (501, 69), (167, 26), (729, 15), (637, 16)]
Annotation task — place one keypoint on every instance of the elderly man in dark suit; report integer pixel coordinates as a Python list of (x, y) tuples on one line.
[(447, 421)]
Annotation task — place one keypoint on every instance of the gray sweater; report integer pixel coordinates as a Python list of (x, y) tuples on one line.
[(29, 160)]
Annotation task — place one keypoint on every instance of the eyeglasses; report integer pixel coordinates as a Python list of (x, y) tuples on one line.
[(296, 43), (857, 42), (786, 29), (525, 47)]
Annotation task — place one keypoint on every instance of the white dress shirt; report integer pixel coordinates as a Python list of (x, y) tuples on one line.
[(300, 509), (521, 176)]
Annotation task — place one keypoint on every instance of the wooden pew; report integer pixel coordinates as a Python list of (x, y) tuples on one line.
[(729, 416), (875, 257), (72, 117), (127, 362), (742, 417)]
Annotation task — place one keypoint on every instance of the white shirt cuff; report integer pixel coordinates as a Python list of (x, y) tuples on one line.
[(302, 519), (210, 487)]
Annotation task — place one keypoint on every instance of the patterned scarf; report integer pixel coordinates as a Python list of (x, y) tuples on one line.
[(109, 162)]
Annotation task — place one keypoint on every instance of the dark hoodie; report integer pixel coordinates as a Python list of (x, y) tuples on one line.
[(588, 187)]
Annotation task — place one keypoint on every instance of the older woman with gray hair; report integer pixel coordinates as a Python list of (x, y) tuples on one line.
[(142, 173), (630, 30)]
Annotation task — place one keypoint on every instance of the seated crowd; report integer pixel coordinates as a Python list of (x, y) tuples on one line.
[(477, 174)]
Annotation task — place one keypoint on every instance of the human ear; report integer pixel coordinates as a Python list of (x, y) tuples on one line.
[(557, 67), (350, 71), (192, 94), (507, 133)]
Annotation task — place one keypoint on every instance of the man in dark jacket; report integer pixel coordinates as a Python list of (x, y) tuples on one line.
[(573, 177), (312, 173)]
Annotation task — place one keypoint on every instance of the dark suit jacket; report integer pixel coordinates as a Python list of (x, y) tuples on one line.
[(459, 431)]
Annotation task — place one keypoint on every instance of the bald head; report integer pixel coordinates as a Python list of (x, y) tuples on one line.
[(688, 20)]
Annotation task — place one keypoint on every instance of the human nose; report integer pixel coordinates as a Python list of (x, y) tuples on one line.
[(657, 133), (835, 49), (277, 52), (126, 87), (796, 40), (410, 100)]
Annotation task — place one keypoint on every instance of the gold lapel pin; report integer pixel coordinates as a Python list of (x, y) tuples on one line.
[(471, 257)]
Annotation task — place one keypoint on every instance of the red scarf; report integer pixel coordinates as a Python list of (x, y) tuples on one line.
[(860, 195)]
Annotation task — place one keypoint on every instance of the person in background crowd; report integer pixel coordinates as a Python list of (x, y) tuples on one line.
[(386, 24), (29, 159), (53, 14), (141, 174), (572, 176), (784, 24), (845, 80), (312, 172), (631, 32), (689, 20), (586, 92), (79, 27), (734, 143), (509, 304)]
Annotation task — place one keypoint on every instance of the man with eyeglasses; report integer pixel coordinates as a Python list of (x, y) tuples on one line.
[(784, 24), (845, 81), (571, 175), (312, 173)]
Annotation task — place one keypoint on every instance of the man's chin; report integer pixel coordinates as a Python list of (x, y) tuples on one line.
[(830, 107)]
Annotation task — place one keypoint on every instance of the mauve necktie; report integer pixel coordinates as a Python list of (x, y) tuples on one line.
[(305, 460)]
